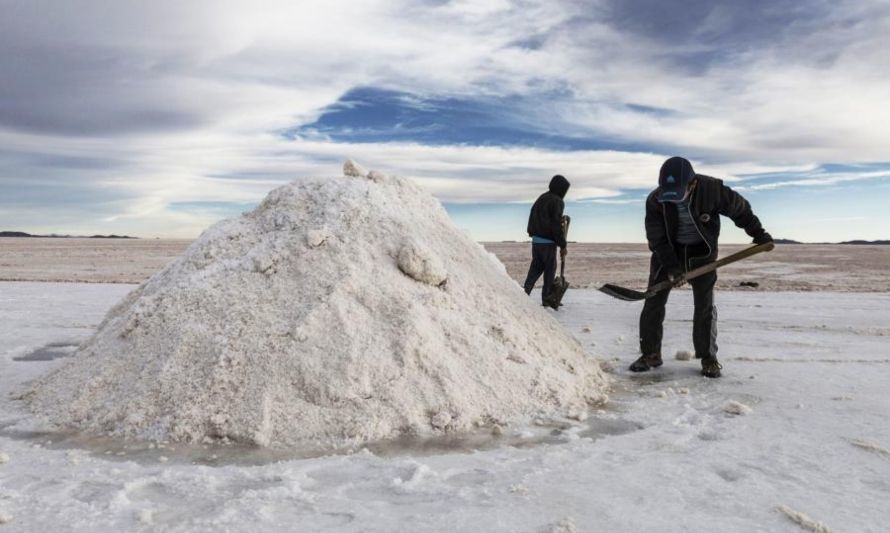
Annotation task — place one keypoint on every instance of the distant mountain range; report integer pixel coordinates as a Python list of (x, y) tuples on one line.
[(55, 236)]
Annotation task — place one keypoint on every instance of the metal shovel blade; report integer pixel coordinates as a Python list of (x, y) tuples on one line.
[(622, 293)]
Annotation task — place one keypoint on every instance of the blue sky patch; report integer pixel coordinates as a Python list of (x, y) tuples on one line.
[(369, 115)]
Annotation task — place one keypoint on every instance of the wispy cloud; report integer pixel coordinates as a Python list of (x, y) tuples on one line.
[(817, 178)]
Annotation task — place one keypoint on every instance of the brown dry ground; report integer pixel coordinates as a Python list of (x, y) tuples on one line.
[(87, 260), (788, 267)]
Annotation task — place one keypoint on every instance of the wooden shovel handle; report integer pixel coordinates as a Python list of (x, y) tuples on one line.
[(710, 267)]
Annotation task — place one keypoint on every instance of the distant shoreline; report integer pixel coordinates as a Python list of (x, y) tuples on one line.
[(22, 234)]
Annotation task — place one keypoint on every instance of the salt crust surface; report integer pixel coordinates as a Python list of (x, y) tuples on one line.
[(339, 311)]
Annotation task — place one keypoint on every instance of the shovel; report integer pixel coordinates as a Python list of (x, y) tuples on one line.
[(560, 284), (631, 295)]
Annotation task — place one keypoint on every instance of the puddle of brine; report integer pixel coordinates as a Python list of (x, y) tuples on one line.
[(548, 433), (51, 351)]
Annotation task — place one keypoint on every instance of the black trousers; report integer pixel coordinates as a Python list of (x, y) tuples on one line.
[(543, 262), (704, 319)]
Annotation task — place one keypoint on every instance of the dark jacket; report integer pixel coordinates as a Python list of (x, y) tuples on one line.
[(545, 218), (710, 199)]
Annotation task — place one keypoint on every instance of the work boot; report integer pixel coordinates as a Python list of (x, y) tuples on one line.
[(646, 362), (710, 367)]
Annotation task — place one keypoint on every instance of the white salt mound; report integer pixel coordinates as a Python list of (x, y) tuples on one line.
[(339, 311)]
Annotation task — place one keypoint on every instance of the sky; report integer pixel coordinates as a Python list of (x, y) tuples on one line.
[(156, 119)]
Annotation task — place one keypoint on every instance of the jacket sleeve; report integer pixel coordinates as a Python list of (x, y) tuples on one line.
[(656, 235), (558, 209), (734, 206)]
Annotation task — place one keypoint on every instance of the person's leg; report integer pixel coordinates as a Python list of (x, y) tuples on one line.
[(704, 320), (651, 322), (535, 269), (549, 261)]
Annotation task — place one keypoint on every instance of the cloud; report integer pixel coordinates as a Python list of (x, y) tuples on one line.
[(132, 107), (818, 178)]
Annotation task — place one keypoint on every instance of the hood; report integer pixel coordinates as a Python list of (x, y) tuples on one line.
[(559, 186)]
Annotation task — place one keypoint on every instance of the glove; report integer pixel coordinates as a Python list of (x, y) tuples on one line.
[(763, 238), (675, 276), (563, 252)]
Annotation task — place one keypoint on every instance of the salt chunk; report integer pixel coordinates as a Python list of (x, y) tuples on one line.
[(516, 358), (441, 420), (577, 413), (353, 169), (736, 408), (315, 238), (262, 263), (566, 525), (376, 176), (417, 261), (683, 355), (518, 488)]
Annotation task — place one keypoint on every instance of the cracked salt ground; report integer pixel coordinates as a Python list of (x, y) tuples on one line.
[(823, 460)]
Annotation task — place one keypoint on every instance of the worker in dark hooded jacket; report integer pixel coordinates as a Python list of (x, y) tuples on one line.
[(545, 229), (682, 227)]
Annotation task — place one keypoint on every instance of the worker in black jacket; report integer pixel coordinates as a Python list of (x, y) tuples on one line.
[(682, 227), (545, 229)]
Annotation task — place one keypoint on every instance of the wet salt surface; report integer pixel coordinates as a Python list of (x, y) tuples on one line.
[(51, 351), (812, 442)]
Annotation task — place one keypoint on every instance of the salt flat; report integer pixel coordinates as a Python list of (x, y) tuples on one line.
[(859, 268), (664, 455)]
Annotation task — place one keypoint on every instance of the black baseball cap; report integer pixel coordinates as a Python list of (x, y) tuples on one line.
[(673, 179)]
